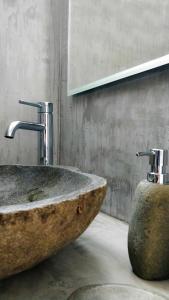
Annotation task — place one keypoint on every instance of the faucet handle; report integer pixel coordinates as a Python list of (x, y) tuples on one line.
[(43, 107), (35, 104)]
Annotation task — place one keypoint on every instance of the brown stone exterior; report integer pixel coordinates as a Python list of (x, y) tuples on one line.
[(28, 237), (148, 237)]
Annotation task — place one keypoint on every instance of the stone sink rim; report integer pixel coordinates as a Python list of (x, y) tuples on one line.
[(148, 290), (95, 183)]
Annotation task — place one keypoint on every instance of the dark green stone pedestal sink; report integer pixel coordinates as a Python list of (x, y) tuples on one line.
[(41, 210)]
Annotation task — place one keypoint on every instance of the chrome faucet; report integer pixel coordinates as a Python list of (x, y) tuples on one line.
[(44, 127)]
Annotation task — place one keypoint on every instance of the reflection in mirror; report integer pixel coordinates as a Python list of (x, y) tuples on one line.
[(112, 40)]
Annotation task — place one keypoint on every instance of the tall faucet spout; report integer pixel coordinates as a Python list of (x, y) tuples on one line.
[(15, 125), (44, 127)]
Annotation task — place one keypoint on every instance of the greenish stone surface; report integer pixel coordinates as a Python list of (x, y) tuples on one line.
[(43, 209), (148, 237)]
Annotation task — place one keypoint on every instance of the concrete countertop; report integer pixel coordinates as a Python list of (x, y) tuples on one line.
[(98, 256)]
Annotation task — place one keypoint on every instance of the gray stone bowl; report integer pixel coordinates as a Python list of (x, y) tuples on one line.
[(114, 292), (42, 209)]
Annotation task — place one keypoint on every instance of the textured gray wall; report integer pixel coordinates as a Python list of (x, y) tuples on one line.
[(116, 35), (29, 64), (101, 131)]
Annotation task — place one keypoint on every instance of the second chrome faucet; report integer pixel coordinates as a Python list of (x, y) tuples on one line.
[(44, 127)]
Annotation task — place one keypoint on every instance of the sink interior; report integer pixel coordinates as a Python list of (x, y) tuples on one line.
[(22, 184), (113, 292)]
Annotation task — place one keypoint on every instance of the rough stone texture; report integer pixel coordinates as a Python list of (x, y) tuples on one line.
[(31, 232), (148, 239), (98, 256), (23, 184), (113, 292)]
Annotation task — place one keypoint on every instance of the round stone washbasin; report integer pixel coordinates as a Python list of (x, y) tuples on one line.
[(114, 292), (41, 210)]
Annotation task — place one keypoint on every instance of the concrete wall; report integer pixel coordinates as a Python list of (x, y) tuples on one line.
[(106, 37), (101, 131), (29, 64)]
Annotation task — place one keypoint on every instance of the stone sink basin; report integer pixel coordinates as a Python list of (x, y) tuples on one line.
[(42, 209)]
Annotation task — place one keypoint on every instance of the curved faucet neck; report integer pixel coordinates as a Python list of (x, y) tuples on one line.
[(15, 125), (44, 127)]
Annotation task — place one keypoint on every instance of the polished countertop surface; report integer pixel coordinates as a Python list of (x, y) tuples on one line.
[(98, 256)]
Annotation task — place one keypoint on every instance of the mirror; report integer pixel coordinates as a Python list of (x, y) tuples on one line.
[(110, 40)]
